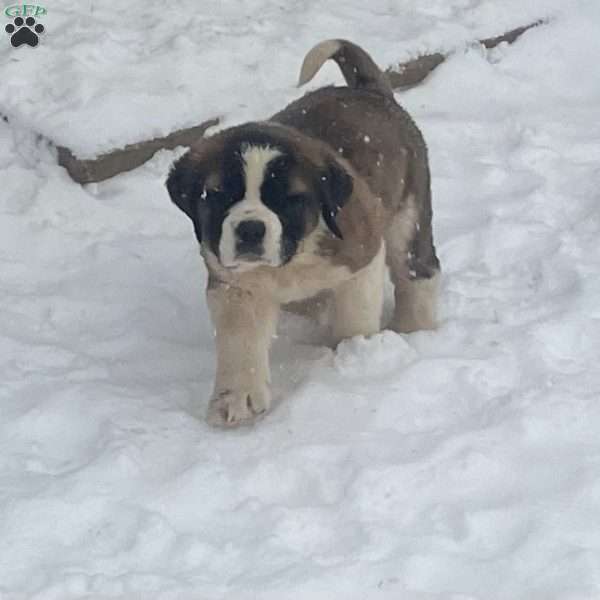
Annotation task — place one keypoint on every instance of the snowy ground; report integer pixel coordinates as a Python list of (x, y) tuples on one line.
[(461, 464)]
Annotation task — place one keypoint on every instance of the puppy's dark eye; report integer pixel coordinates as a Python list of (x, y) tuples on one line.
[(285, 202), (297, 198), (210, 195), (217, 199), (297, 203)]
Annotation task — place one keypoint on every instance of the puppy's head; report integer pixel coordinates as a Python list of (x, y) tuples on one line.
[(253, 196)]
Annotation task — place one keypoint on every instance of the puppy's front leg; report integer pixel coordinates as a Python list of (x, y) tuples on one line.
[(245, 323)]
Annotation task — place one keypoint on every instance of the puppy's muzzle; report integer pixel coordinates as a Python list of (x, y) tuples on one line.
[(249, 237)]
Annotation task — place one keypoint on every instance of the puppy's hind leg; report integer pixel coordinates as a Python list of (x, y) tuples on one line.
[(414, 270), (416, 301), (357, 304)]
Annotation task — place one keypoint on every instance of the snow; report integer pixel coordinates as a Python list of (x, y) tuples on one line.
[(460, 464), (112, 74)]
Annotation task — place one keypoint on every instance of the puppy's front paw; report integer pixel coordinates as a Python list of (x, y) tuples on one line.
[(229, 408)]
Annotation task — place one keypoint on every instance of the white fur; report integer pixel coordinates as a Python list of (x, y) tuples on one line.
[(416, 304), (358, 302), (314, 60), (256, 159), (245, 322), (305, 275)]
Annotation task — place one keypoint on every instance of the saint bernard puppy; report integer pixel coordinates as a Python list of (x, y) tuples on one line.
[(305, 210)]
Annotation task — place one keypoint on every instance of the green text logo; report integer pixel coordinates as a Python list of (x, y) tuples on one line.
[(25, 10)]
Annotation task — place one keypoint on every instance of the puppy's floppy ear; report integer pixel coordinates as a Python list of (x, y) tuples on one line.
[(336, 186), (185, 186)]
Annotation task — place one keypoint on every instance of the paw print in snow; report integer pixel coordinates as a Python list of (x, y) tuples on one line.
[(24, 32)]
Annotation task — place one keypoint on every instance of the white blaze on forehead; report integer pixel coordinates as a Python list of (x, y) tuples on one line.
[(256, 159)]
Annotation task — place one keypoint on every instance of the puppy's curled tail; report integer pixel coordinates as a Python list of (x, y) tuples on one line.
[(358, 68)]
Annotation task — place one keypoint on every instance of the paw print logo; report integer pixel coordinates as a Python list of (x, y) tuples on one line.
[(24, 32)]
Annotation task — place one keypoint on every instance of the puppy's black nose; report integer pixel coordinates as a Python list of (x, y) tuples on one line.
[(250, 232)]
